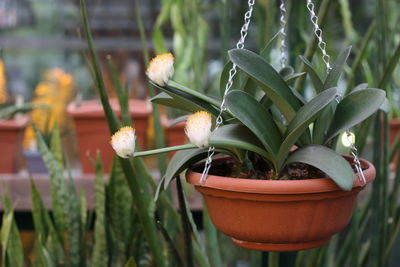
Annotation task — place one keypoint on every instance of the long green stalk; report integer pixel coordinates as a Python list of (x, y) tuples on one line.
[(187, 235), (164, 150), (159, 137), (137, 186), (273, 259)]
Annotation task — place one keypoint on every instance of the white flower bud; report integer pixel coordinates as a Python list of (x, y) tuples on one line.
[(161, 68), (123, 142), (198, 128)]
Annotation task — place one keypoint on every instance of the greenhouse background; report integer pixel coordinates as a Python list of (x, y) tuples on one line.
[(67, 199)]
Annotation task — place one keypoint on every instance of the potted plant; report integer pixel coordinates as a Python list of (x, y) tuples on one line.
[(12, 127), (280, 186)]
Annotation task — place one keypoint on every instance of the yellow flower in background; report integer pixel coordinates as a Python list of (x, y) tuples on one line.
[(161, 68), (198, 128), (3, 83), (123, 142), (53, 94)]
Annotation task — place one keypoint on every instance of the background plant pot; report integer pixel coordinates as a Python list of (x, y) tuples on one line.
[(11, 137), (93, 134), (175, 134), (394, 127), (34, 162), (278, 215)]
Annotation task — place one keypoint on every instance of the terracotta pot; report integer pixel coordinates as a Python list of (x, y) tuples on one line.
[(11, 137), (394, 130), (278, 215), (93, 134), (175, 135)]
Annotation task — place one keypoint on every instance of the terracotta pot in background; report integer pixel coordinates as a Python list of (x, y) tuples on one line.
[(394, 131), (11, 137), (278, 215), (175, 135), (93, 134)]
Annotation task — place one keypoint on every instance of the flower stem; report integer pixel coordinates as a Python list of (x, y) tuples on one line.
[(164, 150)]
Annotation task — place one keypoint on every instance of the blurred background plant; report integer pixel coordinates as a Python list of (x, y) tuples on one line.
[(53, 93)]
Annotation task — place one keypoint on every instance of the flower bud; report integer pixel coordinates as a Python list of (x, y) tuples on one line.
[(123, 142), (161, 68), (198, 128)]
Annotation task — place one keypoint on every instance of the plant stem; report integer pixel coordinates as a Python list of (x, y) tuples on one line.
[(164, 150), (137, 186), (273, 259), (159, 139), (187, 233)]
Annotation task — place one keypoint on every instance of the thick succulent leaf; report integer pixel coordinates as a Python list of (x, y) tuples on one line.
[(322, 123), (169, 101), (355, 108), (177, 120), (337, 69), (292, 77), (359, 87), (255, 117), (268, 79), (328, 161), (304, 116), (315, 79), (187, 99), (237, 136), (182, 160)]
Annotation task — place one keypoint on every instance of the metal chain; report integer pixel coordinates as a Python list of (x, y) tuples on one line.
[(318, 34), (232, 73), (283, 33), (326, 59)]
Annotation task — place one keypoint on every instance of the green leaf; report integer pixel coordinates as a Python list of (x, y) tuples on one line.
[(315, 79), (328, 161), (181, 161), (56, 145), (268, 79), (185, 98), (130, 263), (337, 69), (237, 136), (265, 52), (237, 81), (175, 102), (99, 254), (304, 116), (353, 109), (254, 116), (292, 77), (361, 86)]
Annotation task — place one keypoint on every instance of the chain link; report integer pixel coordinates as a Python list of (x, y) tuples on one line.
[(283, 33), (232, 73), (318, 34)]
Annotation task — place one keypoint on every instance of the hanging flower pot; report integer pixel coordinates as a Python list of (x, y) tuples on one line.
[(92, 130), (278, 215), (11, 137)]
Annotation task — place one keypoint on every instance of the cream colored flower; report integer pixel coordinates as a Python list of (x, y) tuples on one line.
[(198, 128), (161, 68), (123, 142)]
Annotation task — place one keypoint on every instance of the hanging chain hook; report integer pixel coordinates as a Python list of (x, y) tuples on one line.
[(318, 34), (232, 73), (283, 34)]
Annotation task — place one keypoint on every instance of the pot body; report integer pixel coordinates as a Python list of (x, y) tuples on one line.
[(11, 137), (394, 127), (278, 215), (93, 134), (175, 135)]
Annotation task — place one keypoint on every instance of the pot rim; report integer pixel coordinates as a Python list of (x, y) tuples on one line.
[(317, 185), (14, 124)]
